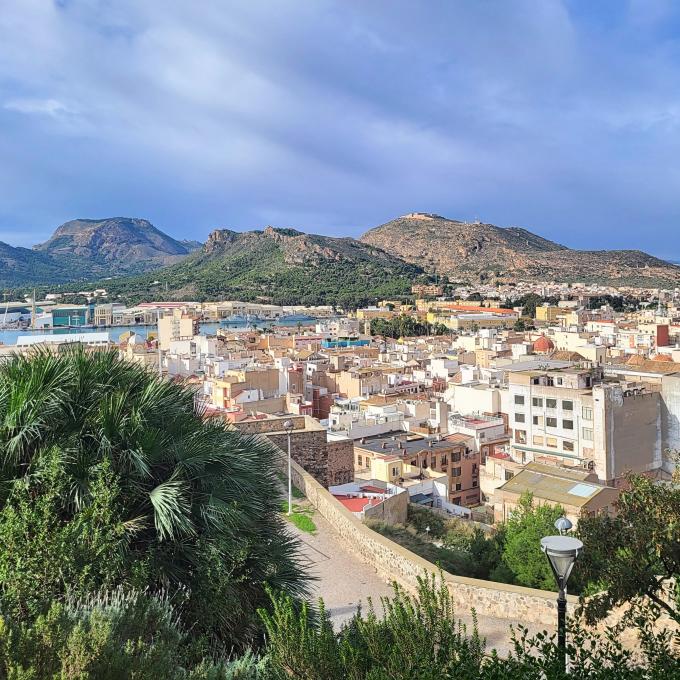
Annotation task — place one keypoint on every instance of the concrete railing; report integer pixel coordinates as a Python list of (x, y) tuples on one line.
[(488, 598)]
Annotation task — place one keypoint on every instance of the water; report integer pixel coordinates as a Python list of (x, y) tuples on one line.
[(9, 337)]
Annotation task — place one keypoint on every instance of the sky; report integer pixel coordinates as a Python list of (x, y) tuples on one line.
[(333, 117)]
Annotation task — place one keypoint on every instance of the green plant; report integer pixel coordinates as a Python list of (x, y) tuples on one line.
[(419, 637), (634, 557), (522, 543), (110, 477)]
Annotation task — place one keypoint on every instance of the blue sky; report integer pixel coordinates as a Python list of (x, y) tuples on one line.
[(332, 117)]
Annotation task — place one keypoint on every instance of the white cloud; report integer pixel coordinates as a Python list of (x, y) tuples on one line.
[(335, 112), (47, 107)]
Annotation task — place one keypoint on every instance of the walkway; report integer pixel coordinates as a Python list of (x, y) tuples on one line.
[(344, 581)]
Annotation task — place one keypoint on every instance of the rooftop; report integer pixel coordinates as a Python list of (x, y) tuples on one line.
[(566, 487), (409, 443)]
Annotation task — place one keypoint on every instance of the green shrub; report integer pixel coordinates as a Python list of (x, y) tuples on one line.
[(110, 478), (418, 637)]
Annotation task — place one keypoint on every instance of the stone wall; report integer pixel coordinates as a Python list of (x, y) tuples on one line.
[(328, 462), (395, 562), (340, 461), (393, 510), (266, 425), (308, 449)]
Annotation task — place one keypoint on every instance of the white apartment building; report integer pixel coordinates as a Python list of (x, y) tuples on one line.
[(575, 417)]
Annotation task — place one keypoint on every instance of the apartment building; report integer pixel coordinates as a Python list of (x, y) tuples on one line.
[(402, 458), (177, 326), (576, 417)]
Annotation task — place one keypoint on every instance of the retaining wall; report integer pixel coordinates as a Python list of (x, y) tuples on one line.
[(499, 600)]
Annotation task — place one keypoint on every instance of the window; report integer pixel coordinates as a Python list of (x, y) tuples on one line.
[(455, 472), (445, 459), (433, 463), (551, 422), (567, 446), (537, 420), (551, 442), (474, 483), (568, 424), (520, 436), (459, 486), (568, 405), (587, 413), (455, 457), (587, 433), (537, 401), (519, 400), (508, 475), (519, 417), (551, 403), (537, 440), (414, 463), (456, 500), (359, 461), (395, 471), (558, 381)]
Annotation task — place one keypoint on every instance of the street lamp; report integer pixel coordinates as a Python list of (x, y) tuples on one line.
[(562, 552), (288, 427)]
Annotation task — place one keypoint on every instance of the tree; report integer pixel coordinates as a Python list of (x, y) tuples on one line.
[(522, 548), (110, 477), (635, 556), (519, 325)]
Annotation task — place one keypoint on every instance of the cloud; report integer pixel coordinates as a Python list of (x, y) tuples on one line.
[(330, 115), (48, 107)]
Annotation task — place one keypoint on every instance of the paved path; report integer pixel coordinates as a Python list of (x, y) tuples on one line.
[(344, 581)]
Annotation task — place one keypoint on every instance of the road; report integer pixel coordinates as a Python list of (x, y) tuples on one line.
[(344, 581)]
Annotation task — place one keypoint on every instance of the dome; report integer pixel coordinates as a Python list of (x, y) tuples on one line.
[(544, 345)]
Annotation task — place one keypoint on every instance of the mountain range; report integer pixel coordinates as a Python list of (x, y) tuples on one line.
[(465, 250), (137, 260)]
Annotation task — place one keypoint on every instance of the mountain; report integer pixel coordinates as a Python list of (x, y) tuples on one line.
[(115, 245), (281, 266), (24, 267), (463, 250)]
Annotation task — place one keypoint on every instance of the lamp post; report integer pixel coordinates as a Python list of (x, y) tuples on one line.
[(288, 427), (562, 552)]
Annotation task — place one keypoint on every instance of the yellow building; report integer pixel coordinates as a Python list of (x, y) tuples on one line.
[(369, 313), (548, 313)]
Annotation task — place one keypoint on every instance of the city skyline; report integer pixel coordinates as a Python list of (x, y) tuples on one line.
[(333, 118)]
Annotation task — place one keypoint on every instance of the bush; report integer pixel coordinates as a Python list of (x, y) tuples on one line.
[(419, 637), (111, 637), (112, 478)]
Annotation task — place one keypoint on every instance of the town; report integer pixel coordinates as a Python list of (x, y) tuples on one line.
[(560, 400)]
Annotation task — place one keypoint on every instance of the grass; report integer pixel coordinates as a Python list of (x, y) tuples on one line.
[(301, 517)]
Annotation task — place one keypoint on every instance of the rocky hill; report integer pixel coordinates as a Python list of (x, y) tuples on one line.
[(116, 244), (282, 266), (24, 267), (463, 250)]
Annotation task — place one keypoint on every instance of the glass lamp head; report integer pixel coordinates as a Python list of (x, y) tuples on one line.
[(562, 552)]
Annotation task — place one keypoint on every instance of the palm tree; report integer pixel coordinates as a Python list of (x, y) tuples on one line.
[(193, 505)]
